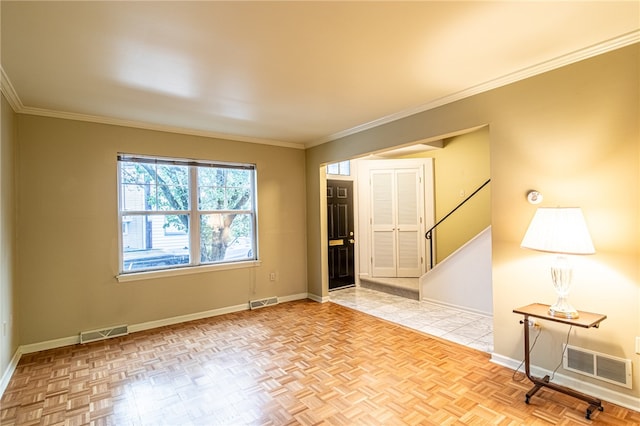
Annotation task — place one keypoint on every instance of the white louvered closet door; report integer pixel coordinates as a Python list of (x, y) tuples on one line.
[(408, 229), (396, 223), (383, 223)]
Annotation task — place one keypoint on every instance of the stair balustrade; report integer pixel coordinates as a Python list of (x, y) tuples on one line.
[(429, 234)]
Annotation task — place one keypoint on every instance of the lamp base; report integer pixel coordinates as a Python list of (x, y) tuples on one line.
[(561, 273), (565, 311)]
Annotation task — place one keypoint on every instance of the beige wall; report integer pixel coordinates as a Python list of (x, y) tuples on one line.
[(68, 229), (460, 168), (8, 298), (572, 134)]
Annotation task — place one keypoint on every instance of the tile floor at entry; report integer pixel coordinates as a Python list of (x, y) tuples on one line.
[(466, 328)]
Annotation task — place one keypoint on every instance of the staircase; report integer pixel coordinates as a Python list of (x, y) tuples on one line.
[(463, 279)]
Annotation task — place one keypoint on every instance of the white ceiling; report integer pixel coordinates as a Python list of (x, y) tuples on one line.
[(289, 73)]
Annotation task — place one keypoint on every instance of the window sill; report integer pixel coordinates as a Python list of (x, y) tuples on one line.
[(137, 276)]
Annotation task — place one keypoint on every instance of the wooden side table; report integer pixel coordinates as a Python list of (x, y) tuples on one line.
[(584, 320)]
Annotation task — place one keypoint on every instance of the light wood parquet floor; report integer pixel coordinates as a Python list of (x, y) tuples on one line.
[(295, 363)]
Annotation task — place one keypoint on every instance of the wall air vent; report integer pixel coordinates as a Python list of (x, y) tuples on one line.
[(257, 304), (94, 335), (600, 366)]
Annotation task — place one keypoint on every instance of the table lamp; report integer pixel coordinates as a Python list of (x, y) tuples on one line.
[(563, 231)]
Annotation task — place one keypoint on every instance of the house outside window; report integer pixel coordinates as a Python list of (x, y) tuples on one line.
[(177, 213)]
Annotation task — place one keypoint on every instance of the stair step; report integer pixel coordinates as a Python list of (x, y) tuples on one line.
[(403, 287)]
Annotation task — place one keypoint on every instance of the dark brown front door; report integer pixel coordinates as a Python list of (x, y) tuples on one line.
[(340, 230)]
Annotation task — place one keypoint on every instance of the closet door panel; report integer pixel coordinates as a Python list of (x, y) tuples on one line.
[(383, 244), (408, 226)]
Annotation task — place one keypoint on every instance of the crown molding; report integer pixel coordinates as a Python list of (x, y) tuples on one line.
[(9, 92), (579, 55), (157, 127)]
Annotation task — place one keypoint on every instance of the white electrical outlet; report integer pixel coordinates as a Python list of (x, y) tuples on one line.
[(638, 345), (272, 276)]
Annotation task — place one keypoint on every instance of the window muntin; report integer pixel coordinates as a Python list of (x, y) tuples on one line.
[(180, 213)]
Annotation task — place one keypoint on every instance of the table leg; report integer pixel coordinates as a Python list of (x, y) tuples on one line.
[(594, 403)]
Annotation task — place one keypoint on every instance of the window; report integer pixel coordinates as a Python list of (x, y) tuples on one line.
[(342, 168), (178, 213)]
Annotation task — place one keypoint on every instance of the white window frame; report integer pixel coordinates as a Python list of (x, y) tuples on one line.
[(194, 214)]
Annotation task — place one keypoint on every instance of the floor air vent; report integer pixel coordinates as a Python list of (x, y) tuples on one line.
[(257, 304), (93, 335), (601, 366)]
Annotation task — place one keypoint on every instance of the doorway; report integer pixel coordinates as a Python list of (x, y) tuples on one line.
[(395, 207), (340, 231), (465, 158)]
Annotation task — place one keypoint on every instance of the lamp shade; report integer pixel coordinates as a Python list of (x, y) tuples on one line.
[(558, 230)]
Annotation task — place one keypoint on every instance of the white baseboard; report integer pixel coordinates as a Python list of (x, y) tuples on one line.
[(205, 314), (50, 344), (626, 401), (11, 368), (189, 317), (458, 307), (317, 298), (291, 298)]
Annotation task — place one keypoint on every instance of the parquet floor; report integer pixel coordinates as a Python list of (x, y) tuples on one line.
[(294, 363)]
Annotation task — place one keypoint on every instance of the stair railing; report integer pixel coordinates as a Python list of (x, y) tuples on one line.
[(429, 234)]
